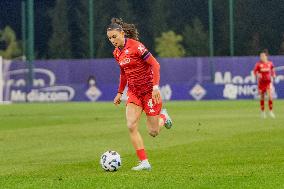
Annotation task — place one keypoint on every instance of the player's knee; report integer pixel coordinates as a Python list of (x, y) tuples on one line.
[(262, 96), (132, 127), (153, 133)]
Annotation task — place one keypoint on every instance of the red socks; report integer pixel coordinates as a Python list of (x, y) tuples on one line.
[(141, 154), (262, 105), (270, 104)]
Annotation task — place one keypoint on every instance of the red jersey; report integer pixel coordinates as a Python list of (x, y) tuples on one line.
[(264, 70), (135, 70)]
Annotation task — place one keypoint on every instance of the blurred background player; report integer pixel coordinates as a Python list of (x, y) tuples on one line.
[(264, 71), (140, 71)]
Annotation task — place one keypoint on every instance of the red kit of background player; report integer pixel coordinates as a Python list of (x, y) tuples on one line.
[(264, 71)]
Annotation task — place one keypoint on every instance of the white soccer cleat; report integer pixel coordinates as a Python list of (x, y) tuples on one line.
[(143, 165), (168, 122), (263, 114), (271, 114)]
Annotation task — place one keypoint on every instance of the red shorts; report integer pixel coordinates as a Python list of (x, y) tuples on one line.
[(146, 103), (263, 86)]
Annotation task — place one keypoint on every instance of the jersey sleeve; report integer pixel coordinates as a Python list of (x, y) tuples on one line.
[(273, 74), (256, 69), (155, 68), (122, 77), (114, 55), (141, 51), (122, 81)]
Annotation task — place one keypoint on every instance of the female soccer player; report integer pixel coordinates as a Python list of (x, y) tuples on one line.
[(140, 71), (264, 72)]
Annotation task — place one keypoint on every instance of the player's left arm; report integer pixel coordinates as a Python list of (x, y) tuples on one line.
[(273, 74), (156, 95), (256, 71), (150, 59)]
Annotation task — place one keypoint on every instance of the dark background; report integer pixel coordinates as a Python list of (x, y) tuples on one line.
[(258, 23)]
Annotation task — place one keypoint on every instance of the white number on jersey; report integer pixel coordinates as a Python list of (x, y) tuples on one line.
[(150, 103)]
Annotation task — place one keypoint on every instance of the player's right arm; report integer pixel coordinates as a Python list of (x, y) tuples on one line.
[(256, 71), (273, 74), (121, 87)]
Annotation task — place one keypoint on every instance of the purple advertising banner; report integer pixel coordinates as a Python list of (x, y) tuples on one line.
[(97, 80)]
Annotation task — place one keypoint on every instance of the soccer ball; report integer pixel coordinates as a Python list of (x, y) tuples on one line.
[(110, 161)]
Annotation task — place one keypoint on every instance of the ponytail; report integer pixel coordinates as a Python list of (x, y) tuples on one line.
[(130, 30)]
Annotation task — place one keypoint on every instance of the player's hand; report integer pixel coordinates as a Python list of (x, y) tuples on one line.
[(156, 96), (117, 99), (259, 76)]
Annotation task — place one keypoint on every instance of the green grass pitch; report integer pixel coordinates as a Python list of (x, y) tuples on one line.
[(213, 144)]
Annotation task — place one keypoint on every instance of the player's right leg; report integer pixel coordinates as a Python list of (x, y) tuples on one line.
[(270, 103), (133, 114), (262, 89), (262, 113)]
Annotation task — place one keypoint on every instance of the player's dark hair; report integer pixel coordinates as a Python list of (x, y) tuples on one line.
[(265, 51), (130, 30)]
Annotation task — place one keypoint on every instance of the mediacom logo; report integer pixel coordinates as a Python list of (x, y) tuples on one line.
[(235, 86), (44, 87)]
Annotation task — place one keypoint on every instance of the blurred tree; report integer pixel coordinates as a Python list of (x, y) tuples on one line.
[(153, 17), (281, 50), (196, 39), (158, 21), (152, 20), (10, 47), (254, 45), (102, 15), (182, 12), (124, 10), (78, 27), (42, 28), (169, 45), (59, 43)]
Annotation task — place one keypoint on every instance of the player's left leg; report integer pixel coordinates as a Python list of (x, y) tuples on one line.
[(270, 102), (154, 123), (262, 95), (262, 90), (156, 118)]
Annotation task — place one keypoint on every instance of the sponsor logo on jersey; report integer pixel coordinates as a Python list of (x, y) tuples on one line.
[(124, 61), (265, 69), (142, 49), (152, 111)]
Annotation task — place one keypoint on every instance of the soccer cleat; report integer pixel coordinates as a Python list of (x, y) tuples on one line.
[(263, 114), (143, 165), (168, 122), (271, 114)]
